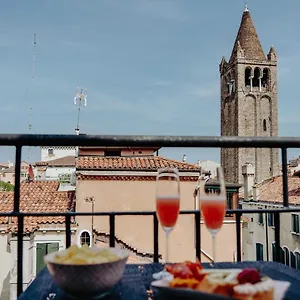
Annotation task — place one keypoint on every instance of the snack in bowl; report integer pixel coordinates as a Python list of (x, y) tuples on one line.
[(84, 271), (247, 284)]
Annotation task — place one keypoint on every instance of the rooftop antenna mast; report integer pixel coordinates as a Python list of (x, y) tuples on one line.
[(32, 87), (79, 100)]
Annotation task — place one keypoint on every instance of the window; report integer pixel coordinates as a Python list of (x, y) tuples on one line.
[(293, 260), (256, 79), (112, 153), (260, 218), (297, 255), (265, 78), (270, 220), (295, 223), (259, 251), (282, 256), (264, 125), (85, 238), (286, 256), (43, 249), (247, 76), (50, 151)]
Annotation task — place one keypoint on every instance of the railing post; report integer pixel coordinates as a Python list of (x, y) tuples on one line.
[(155, 238), (112, 230), (198, 234), (20, 220), (17, 179), (238, 237), (68, 231), (20, 255), (285, 188), (277, 235)]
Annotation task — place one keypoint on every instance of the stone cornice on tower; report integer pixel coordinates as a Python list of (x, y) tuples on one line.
[(247, 41)]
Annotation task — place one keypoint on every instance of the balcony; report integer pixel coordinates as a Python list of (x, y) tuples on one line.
[(19, 141)]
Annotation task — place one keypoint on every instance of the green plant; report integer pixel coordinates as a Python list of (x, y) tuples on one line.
[(6, 186)]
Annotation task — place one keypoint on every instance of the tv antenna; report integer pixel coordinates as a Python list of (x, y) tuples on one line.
[(79, 99), (32, 87)]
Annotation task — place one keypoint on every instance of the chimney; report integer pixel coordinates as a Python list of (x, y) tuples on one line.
[(255, 193), (248, 174)]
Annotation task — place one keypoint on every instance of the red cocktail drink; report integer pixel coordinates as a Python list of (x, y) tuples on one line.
[(167, 209)]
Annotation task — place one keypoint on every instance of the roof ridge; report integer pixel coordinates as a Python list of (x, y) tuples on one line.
[(178, 161)]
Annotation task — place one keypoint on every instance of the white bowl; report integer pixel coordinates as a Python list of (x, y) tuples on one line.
[(88, 280)]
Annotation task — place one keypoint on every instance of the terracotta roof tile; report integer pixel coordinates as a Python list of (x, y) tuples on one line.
[(37, 196), (248, 40), (63, 161), (271, 190), (143, 163)]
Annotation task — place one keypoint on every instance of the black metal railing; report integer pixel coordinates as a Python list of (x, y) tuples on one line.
[(20, 141)]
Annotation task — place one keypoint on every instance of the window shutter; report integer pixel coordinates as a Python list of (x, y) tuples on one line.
[(293, 260), (273, 252), (297, 223), (259, 251), (281, 255), (52, 247), (40, 253)]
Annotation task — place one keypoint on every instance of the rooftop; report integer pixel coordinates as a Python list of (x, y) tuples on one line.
[(37, 196), (271, 190), (67, 161), (143, 163)]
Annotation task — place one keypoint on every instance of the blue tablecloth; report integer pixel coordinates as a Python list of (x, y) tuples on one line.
[(135, 284)]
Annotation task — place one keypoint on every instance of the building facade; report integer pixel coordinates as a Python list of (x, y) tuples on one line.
[(258, 229), (41, 235), (249, 103), (114, 179)]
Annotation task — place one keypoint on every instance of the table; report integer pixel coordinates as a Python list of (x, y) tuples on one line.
[(135, 284)]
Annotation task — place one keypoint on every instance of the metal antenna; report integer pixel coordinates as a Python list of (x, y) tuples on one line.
[(32, 87), (80, 97), (246, 6)]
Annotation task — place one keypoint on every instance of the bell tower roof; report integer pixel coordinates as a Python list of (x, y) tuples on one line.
[(247, 40)]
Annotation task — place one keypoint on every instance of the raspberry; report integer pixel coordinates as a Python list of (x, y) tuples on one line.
[(249, 275)]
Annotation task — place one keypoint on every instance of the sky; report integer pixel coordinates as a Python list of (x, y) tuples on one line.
[(151, 67)]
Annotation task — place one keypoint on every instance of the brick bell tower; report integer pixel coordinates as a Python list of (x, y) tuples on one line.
[(249, 103)]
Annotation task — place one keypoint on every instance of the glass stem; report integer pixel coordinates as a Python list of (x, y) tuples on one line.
[(167, 247), (214, 247)]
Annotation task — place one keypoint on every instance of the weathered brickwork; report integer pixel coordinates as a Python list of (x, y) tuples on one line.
[(249, 103)]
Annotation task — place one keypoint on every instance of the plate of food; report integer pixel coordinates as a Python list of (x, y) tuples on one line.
[(191, 281), (87, 272)]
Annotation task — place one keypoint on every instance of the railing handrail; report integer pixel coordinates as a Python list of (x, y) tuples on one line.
[(21, 140), (149, 140), (142, 213)]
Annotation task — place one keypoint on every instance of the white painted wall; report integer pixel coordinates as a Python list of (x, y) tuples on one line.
[(52, 173), (209, 165), (58, 152), (6, 265)]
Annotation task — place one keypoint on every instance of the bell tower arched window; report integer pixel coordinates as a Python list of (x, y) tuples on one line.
[(264, 125), (256, 78), (265, 78), (248, 76)]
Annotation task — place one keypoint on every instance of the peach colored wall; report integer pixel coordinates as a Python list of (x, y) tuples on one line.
[(138, 230)]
